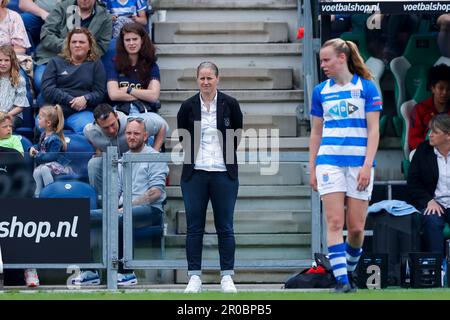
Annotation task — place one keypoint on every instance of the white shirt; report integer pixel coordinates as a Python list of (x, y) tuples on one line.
[(210, 155), (442, 193)]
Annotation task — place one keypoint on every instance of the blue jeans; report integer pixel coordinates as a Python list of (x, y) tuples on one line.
[(222, 191), (433, 231), (33, 24), (37, 78)]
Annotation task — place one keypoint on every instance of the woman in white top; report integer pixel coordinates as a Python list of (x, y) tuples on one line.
[(209, 124)]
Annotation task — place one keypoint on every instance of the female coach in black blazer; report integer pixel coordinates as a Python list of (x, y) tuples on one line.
[(428, 182), (212, 123)]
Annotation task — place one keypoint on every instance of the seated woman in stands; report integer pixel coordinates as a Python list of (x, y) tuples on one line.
[(13, 90), (439, 102), (428, 178), (76, 79), (133, 76)]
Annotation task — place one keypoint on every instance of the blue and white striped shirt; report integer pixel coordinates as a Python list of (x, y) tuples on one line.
[(127, 8), (343, 109)]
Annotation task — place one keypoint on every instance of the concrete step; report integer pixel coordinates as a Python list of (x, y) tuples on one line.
[(243, 96), (255, 222), (231, 11), (271, 143), (220, 32), (257, 276), (254, 198), (262, 109), (258, 56), (251, 174), (230, 78), (223, 4), (285, 124)]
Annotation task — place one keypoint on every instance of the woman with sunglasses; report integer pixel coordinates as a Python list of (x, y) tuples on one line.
[(209, 125), (76, 79)]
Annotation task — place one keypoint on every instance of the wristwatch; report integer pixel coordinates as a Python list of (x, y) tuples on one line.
[(129, 90)]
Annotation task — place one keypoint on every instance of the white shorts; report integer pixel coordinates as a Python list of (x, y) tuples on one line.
[(342, 179)]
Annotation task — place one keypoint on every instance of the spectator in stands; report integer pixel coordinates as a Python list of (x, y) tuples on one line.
[(126, 11), (148, 195), (50, 160), (428, 178), (49, 151), (66, 16), (34, 15), (443, 40), (109, 130), (210, 172), (12, 86), (12, 29), (134, 89), (439, 84), (344, 139), (7, 139), (76, 80)]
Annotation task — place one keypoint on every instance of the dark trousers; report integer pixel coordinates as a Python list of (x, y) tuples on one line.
[(222, 191), (433, 231)]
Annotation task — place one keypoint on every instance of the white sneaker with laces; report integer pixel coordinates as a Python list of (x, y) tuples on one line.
[(31, 278), (227, 285), (194, 285)]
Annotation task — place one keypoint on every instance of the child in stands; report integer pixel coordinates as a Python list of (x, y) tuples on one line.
[(126, 11), (12, 86), (7, 139), (49, 152)]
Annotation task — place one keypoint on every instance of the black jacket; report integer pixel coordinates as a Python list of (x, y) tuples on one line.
[(229, 117), (423, 175)]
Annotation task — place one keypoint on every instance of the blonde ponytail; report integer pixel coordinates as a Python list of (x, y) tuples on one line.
[(355, 62)]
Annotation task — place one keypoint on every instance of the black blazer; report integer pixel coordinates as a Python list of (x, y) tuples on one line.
[(229, 117), (423, 175)]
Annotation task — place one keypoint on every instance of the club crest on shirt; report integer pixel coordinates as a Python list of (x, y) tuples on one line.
[(355, 93), (226, 122)]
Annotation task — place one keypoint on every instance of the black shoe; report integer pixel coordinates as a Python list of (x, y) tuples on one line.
[(343, 288), (352, 278)]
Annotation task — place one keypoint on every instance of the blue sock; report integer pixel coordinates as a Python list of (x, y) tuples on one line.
[(352, 255), (336, 254)]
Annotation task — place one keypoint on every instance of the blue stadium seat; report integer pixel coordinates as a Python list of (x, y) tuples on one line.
[(79, 151), (70, 189), (27, 129)]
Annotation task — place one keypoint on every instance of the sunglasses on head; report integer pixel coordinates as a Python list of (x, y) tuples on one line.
[(137, 119)]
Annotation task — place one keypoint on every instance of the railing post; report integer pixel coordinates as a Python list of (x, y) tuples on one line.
[(110, 196)]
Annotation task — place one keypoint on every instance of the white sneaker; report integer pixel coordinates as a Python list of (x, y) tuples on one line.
[(31, 278), (194, 285), (227, 285)]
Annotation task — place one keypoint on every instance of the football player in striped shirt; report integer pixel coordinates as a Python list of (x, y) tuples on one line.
[(344, 139)]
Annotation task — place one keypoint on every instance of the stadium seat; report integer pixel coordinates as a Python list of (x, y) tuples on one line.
[(410, 72), (405, 111), (70, 189), (79, 151), (376, 66), (27, 129)]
